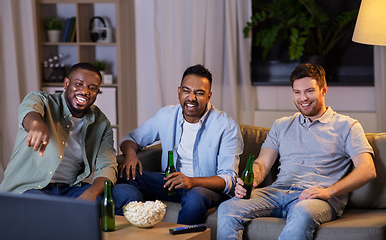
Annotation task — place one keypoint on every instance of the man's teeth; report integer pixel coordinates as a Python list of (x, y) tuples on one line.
[(81, 99), (189, 105), (305, 104)]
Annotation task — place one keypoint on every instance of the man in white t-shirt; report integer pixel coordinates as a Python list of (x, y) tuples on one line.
[(206, 144)]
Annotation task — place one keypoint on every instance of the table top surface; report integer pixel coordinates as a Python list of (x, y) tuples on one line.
[(124, 230)]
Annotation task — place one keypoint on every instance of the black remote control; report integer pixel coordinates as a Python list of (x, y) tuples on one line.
[(188, 229)]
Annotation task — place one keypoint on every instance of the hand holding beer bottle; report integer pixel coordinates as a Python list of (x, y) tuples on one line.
[(247, 177)]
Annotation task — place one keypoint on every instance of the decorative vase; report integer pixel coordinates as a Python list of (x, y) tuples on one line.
[(53, 35)]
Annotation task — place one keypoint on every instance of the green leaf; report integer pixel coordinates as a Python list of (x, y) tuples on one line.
[(302, 41), (263, 15), (294, 32)]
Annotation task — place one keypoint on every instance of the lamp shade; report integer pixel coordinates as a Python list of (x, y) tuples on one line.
[(370, 27)]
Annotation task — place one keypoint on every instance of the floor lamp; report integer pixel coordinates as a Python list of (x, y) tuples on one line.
[(370, 28)]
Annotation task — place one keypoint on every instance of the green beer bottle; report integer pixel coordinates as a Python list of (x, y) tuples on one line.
[(247, 177), (108, 209), (170, 169)]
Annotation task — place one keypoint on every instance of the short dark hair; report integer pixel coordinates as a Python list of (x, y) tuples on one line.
[(198, 70), (85, 66), (313, 71)]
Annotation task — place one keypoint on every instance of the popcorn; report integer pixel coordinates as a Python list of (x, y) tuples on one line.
[(144, 214)]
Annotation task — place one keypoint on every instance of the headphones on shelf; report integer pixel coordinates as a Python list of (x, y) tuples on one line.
[(95, 33)]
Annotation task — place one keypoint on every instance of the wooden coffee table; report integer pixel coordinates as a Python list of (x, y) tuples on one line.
[(124, 230)]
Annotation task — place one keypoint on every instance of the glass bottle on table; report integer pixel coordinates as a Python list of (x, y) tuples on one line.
[(170, 169), (107, 209), (247, 177)]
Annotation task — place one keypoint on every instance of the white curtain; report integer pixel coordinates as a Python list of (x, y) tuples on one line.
[(172, 35), (380, 86), (17, 68)]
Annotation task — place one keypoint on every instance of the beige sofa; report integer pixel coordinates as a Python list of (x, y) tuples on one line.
[(364, 217)]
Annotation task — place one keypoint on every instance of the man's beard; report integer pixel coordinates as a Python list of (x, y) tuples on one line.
[(312, 112)]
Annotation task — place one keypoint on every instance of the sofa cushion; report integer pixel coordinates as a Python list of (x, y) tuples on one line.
[(355, 224), (172, 210), (373, 194)]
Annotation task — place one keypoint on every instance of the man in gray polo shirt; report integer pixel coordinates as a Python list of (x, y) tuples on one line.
[(317, 147)]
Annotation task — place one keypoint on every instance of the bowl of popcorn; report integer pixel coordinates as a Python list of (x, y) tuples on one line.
[(144, 214)]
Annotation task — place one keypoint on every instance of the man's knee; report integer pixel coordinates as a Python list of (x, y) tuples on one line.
[(195, 196), (228, 208), (124, 192), (311, 210), (304, 217), (194, 206), (205, 196)]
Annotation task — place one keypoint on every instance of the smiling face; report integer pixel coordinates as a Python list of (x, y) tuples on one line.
[(309, 98), (82, 87), (194, 94)]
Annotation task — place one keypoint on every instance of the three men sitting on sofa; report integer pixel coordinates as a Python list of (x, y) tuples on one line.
[(316, 148)]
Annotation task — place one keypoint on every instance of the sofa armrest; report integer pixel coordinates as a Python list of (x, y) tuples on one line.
[(150, 158)]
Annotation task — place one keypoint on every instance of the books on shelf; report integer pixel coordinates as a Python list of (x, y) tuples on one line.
[(73, 34), (69, 30), (65, 33), (72, 28)]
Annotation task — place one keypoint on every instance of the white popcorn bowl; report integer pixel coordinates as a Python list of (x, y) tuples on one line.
[(144, 214)]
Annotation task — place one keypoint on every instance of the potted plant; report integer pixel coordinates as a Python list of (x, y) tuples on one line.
[(53, 25), (304, 26)]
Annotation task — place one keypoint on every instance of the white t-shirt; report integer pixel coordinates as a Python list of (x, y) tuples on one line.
[(185, 148), (70, 166)]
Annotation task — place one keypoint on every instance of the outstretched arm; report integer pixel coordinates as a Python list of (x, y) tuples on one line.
[(363, 173), (38, 134)]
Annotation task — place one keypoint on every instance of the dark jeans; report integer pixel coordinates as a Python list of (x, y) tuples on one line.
[(119, 192), (194, 202)]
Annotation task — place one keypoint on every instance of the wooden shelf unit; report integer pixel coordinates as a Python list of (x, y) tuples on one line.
[(119, 54)]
